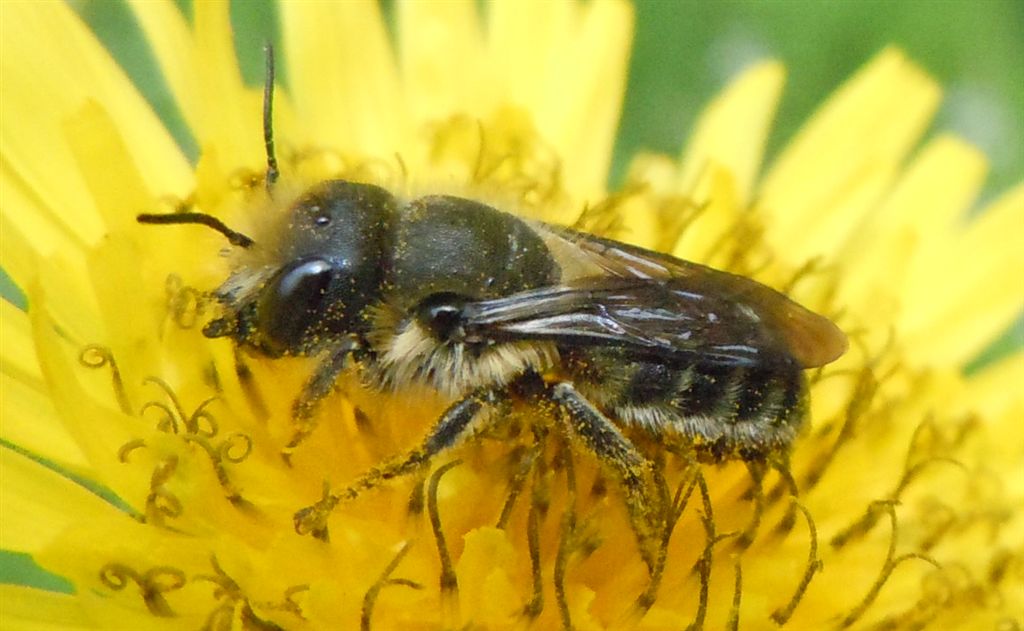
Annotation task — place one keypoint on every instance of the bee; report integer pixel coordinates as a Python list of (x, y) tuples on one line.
[(491, 310)]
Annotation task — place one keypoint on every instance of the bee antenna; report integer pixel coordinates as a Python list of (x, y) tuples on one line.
[(236, 238), (268, 117)]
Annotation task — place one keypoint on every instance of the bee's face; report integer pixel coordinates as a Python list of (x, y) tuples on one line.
[(332, 248)]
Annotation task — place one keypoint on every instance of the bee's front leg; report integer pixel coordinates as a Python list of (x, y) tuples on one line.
[(316, 389), (599, 434), (463, 419)]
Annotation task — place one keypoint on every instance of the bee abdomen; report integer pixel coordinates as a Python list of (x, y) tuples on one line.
[(725, 411)]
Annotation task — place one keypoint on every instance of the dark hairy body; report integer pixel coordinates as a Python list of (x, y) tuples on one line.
[(491, 310)]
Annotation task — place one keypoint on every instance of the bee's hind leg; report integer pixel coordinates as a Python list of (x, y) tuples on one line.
[(463, 419), (316, 389), (643, 494)]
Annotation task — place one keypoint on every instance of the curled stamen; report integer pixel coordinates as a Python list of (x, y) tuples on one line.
[(939, 588), (235, 448), (676, 213), (746, 538), (481, 151), (786, 482), (679, 501), (937, 521), (517, 483), (605, 217), (539, 501), (737, 592), (200, 422), (152, 584), (117, 576), (891, 562), (98, 356), (738, 235), (868, 520), (126, 449), (782, 615), (384, 580), (234, 605), (788, 520), (911, 474), (179, 411), (567, 534), (193, 425), (290, 603), (863, 394), (184, 304), (883, 577), (449, 581), (168, 423), (703, 565), (810, 267), (161, 504)]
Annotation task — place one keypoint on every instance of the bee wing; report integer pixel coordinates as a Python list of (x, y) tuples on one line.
[(655, 303)]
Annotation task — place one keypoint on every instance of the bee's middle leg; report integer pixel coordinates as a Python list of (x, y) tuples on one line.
[(599, 434), (313, 393), (464, 418)]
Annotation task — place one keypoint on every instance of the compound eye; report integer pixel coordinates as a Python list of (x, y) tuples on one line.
[(441, 314), (293, 303)]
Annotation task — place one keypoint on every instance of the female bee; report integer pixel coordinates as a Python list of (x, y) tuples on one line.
[(488, 308)]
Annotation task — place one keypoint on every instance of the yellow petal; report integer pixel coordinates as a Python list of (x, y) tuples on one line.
[(569, 70), (522, 39), (842, 161), (170, 37), (17, 352), (115, 183), (47, 84), (442, 60), (488, 594), (34, 233), (233, 115), (38, 504), (343, 77), (29, 420), (29, 609), (996, 388), (593, 74), (962, 291), (80, 392), (937, 188), (733, 130)]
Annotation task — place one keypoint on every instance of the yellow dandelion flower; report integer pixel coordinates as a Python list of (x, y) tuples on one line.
[(142, 461)]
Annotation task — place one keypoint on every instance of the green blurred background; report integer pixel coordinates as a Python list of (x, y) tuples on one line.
[(684, 52)]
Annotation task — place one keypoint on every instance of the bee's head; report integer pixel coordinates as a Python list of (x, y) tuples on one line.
[(333, 253), (325, 265), (313, 283)]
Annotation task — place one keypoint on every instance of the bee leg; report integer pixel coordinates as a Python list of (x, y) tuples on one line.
[(250, 388), (600, 435), (316, 389), (463, 419)]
